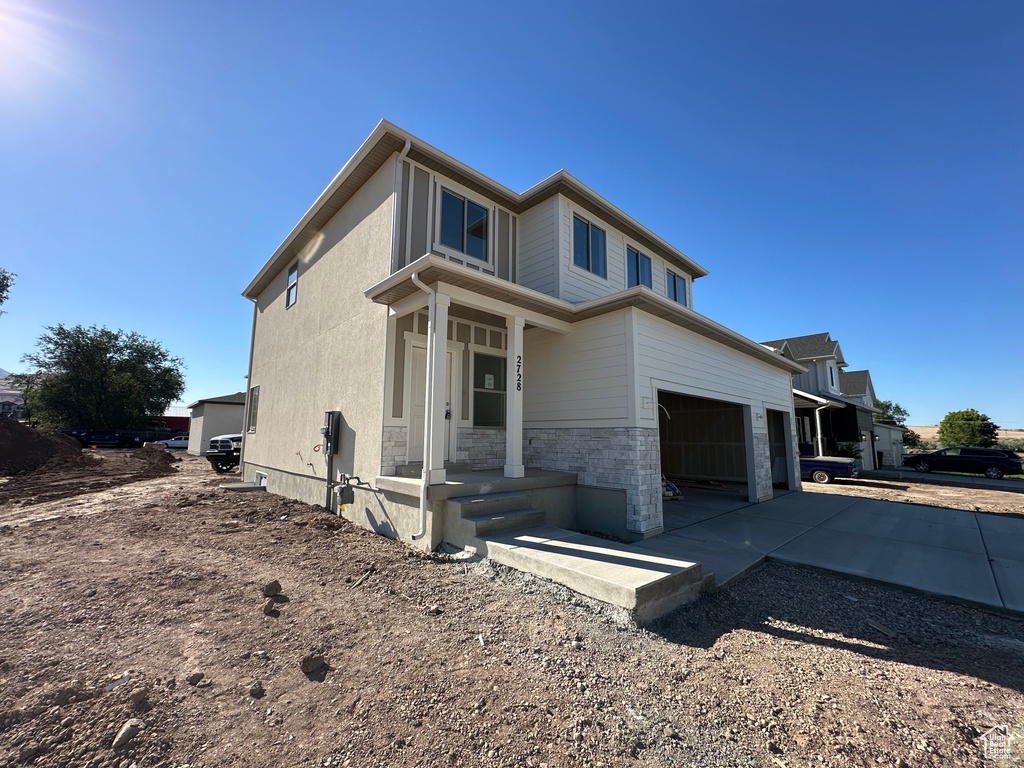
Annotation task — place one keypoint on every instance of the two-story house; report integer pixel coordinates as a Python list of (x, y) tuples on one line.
[(542, 337), (834, 405)]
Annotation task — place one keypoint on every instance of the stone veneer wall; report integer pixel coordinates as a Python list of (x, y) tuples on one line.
[(392, 451), (607, 457), (481, 448), (762, 466)]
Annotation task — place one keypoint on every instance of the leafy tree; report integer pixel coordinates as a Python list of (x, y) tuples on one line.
[(6, 281), (891, 413), (95, 378), (911, 439), (967, 428)]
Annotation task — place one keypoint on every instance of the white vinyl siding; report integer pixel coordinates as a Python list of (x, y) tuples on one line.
[(577, 379), (703, 368), (537, 253)]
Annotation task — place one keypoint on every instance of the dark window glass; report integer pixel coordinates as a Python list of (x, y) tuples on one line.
[(476, 231), (254, 404), (670, 285), (638, 267), (676, 287), (488, 409), (579, 243), (452, 218), (488, 391), (645, 271), (597, 258), (485, 366)]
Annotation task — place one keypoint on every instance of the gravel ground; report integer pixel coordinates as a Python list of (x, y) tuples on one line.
[(376, 655)]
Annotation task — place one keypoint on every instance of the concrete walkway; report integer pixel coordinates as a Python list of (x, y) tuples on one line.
[(967, 556)]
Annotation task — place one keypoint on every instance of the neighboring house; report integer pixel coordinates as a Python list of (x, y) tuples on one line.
[(836, 406), (444, 315), (214, 416), (888, 438), (12, 399), (176, 417)]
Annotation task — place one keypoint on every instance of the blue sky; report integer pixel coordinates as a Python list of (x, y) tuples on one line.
[(850, 167)]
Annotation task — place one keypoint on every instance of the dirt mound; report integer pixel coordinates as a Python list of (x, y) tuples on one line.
[(23, 449)]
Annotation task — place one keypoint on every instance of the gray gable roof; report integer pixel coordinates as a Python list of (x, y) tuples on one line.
[(853, 383), (816, 345), (236, 399)]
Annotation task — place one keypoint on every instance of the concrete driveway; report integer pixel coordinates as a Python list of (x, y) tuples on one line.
[(963, 555)]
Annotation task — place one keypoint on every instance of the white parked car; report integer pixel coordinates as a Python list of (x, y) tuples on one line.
[(181, 441)]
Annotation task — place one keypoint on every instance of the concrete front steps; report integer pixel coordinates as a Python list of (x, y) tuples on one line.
[(470, 517), (645, 584)]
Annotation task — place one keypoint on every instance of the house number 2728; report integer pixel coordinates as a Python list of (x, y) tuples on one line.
[(519, 373)]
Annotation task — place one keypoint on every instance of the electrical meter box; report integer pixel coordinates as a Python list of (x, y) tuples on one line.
[(331, 430)]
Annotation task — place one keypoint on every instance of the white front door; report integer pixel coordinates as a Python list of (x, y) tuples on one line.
[(418, 404)]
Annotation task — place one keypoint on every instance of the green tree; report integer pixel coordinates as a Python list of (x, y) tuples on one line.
[(911, 439), (95, 378), (6, 281), (967, 428), (891, 413)]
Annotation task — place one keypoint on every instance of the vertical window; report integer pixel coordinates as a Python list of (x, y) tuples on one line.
[(292, 294), (638, 268), (832, 374), (588, 246), (488, 391), (464, 225), (254, 403), (676, 286)]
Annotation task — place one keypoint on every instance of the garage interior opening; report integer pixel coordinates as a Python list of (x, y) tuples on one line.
[(702, 442)]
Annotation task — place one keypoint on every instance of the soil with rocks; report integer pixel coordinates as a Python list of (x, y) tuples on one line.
[(134, 633), (24, 449)]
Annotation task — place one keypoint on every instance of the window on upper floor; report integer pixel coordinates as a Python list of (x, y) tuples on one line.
[(464, 225), (588, 247), (292, 294), (675, 286), (638, 268), (832, 375)]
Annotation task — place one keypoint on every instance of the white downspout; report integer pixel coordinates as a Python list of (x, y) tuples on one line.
[(428, 420), (817, 423)]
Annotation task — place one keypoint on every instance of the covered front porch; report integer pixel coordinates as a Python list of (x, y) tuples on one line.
[(455, 369)]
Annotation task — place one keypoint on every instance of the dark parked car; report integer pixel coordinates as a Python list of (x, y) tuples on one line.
[(106, 439), (990, 462), (825, 469)]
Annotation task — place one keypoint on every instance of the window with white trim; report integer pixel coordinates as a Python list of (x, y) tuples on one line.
[(589, 247), (254, 403), (488, 390), (675, 286), (464, 225), (292, 294), (638, 268)]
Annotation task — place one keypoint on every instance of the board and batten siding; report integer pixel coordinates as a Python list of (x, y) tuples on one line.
[(537, 252), (578, 379), (686, 362)]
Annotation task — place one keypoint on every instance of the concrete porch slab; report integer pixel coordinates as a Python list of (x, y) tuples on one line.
[(941, 571), (728, 564), (472, 483), (645, 583)]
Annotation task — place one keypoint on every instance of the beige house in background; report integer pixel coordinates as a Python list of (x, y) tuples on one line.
[(543, 343), (214, 416)]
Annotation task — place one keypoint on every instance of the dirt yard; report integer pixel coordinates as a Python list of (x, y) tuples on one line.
[(922, 492), (133, 612)]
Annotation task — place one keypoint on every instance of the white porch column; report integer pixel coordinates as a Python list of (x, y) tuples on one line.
[(438, 331), (514, 399)]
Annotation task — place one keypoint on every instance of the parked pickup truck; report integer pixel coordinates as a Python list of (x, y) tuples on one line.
[(825, 469), (224, 452)]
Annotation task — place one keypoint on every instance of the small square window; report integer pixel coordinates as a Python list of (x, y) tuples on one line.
[(676, 287), (638, 268), (292, 294), (464, 225), (588, 246)]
